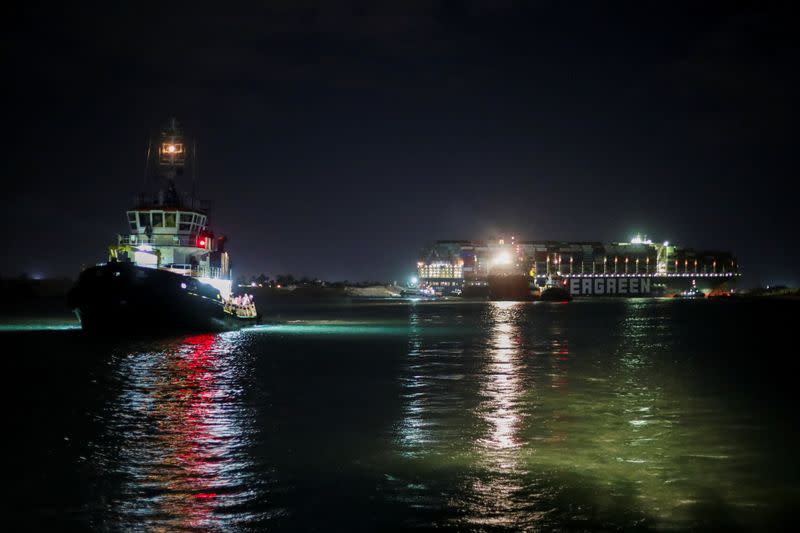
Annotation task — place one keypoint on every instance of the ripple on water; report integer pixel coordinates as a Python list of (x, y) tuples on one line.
[(184, 460), (477, 416)]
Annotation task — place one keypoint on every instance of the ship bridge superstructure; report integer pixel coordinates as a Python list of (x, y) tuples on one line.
[(169, 229)]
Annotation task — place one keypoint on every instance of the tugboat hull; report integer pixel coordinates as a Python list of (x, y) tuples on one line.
[(125, 298), (555, 294)]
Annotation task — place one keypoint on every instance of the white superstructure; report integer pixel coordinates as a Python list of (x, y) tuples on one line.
[(170, 231)]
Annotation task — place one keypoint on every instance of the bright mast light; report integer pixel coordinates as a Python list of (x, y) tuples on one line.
[(502, 258)]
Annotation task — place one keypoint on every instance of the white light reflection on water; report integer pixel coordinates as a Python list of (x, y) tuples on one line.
[(178, 437), (492, 498), (502, 387), (412, 432), (595, 415), (553, 425)]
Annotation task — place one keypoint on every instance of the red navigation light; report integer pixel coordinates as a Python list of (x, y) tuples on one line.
[(201, 242)]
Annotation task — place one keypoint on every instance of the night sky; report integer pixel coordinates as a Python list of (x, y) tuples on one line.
[(335, 140)]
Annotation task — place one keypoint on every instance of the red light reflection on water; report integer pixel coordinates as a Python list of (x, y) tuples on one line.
[(193, 434)]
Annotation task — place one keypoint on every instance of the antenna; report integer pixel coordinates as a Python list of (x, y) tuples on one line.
[(195, 172), (147, 159)]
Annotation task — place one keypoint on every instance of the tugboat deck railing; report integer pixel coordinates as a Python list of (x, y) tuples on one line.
[(157, 240), (195, 271)]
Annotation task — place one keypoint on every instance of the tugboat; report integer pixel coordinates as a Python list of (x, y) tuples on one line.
[(170, 272), (555, 291), (691, 293)]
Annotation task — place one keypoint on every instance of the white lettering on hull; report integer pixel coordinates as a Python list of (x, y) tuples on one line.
[(609, 286), (574, 286)]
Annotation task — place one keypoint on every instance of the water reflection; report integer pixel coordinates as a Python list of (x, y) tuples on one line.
[(429, 436), (179, 435), (493, 498), (492, 416), (431, 392), (534, 423), (413, 432), (501, 388)]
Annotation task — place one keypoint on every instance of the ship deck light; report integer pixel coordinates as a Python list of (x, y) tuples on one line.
[(502, 258)]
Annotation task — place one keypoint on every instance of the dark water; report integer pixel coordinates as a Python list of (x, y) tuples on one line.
[(617, 414)]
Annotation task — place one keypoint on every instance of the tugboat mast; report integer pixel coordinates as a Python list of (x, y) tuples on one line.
[(171, 161)]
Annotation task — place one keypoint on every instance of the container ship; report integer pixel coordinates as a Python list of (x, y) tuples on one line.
[(507, 269), (169, 271)]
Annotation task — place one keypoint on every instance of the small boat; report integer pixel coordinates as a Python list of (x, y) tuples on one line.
[(555, 294), (691, 293)]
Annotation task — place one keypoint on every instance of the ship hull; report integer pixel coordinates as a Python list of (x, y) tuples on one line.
[(644, 285), (128, 299), (509, 288), (518, 287)]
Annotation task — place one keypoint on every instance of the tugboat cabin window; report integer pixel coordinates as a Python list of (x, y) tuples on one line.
[(185, 220), (144, 220), (169, 220), (158, 220)]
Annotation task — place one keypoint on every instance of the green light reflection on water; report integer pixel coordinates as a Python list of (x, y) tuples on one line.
[(34, 326), (617, 437), (347, 329)]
